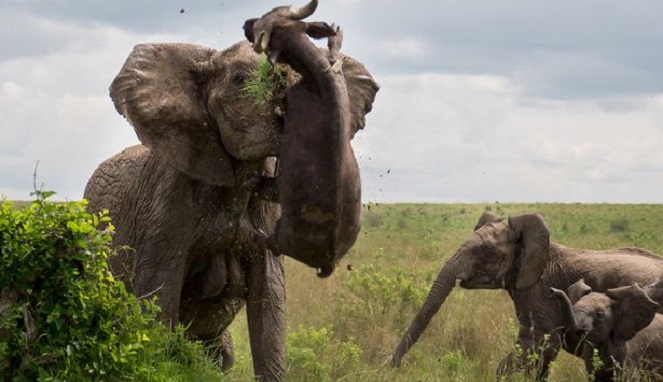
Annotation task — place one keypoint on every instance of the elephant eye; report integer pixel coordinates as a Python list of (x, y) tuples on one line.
[(600, 315), (239, 79)]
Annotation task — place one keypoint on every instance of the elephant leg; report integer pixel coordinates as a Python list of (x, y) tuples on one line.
[(226, 350), (265, 309), (208, 322), (159, 270), (212, 298), (532, 357), (220, 348)]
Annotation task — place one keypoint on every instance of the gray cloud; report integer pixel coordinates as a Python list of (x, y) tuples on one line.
[(480, 101)]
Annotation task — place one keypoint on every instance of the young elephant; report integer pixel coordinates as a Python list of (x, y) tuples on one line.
[(621, 325), (315, 227), (517, 255)]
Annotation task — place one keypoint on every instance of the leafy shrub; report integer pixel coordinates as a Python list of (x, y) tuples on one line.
[(377, 303), (314, 354), (453, 363), (386, 290), (62, 314)]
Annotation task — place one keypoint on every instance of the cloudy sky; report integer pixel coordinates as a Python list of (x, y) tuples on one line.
[(480, 101)]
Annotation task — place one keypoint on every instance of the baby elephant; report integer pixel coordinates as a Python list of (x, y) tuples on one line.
[(319, 188), (621, 325)]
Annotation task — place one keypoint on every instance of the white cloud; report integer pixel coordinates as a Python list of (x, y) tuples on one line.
[(508, 107), (407, 49), (470, 138)]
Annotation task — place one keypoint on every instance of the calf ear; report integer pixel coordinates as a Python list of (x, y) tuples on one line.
[(534, 236), (633, 310), (655, 291), (578, 290)]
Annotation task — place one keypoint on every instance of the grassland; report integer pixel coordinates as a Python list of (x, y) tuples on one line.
[(345, 328)]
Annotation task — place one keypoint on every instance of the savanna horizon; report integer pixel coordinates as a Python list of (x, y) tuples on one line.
[(400, 250), (346, 327)]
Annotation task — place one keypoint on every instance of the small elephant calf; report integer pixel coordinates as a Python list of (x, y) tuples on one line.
[(319, 187), (620, 325)]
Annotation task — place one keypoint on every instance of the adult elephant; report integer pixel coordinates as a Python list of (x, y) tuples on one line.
[(186, 201), (517, 255)]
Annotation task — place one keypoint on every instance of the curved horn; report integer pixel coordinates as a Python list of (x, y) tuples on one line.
[(303, 12)]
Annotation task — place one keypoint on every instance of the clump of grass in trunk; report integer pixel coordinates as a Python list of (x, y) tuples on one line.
[(266, 84)]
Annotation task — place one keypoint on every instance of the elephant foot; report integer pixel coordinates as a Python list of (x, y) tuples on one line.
[(227, 353), (220, 349)]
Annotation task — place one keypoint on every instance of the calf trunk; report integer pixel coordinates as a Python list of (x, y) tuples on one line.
[(442, 286)]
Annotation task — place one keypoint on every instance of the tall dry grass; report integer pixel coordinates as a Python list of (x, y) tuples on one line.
[(345, 327)]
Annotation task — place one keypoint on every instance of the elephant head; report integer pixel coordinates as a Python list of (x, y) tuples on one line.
[(187, 104), (614, 316), (500, 254)]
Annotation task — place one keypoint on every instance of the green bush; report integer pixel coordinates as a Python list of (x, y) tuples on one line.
[(385, 290), (63, 317), (313, 354)]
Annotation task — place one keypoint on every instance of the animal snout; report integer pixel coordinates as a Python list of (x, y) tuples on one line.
[(325, 271)]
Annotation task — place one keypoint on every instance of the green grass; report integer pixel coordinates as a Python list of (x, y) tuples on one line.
[(345, 327), (265, 84), (399, 252)]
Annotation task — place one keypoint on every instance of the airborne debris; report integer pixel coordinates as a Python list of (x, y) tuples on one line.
[(182, 10)]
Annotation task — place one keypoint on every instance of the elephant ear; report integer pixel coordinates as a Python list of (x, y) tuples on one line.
[(633, 310), (533, 235), (655, 291), (578, 290), (361, 91), (158, 91), (487, 217)]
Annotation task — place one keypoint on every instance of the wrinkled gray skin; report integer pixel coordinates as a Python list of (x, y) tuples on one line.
[(621, 325), (185, 200), (517, 256)]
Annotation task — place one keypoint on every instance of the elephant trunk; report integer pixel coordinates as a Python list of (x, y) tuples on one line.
[(441, 288), (568, 316)]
